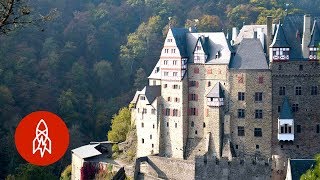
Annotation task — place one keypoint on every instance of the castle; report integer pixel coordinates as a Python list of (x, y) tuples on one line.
[(253, 94)]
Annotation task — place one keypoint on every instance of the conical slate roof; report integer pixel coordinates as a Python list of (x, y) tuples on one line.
[(286, 112), (280, 39), (315, 38), (216, 91)]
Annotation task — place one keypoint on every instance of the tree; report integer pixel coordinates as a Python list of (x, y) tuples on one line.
[(140, 79), (313, 173), (29, 171), (17, 13), (66, 174), (120, 125)]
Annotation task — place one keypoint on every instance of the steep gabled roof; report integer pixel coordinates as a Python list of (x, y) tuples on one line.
[(216, 91), (217, 44), (204, 40), (249, 55), (279, 39), (179, 35), (156, 72), (315, 37), (286, 112), (300, 166), (151, 92)]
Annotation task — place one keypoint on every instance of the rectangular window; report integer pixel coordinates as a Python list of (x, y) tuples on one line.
[(175, 74), (166, 73), (258, 96), (279, 108), (282, 91), (165, 85), (193, 97), (175, 112), (166, 50), (300, 67), (318, 128), (144, 111), (193, 83), (295, 107), (176, 125), (173, 50), (193, 111), (258, 114), (240, 131), (196, 70), (198, 47), (142, 140), (142, 98), (280, 67), (169, 40), (314, 90), (260, 80), (175, 86), (298, 128), (167, 112), (174, 62), (153, 111), (165, 62), (176, 99), (241, 113), (298, 90), (142, 125), (241, 96), (150, 136), (257, 132), (169, 99)]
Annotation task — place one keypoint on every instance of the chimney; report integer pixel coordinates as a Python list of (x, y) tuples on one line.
[(234, 33), (269, 32), (260, 36), (306, 37)]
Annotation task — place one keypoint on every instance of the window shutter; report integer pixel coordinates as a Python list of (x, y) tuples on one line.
[(197, 84), (196, 97)]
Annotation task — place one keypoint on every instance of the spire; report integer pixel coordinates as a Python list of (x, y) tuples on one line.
[(286, 112), (279, 39), (315, 37)]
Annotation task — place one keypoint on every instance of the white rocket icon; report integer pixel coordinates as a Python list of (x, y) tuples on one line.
[(42, 142)]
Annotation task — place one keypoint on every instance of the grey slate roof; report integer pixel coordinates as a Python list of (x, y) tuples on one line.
[(87, 151), (279, 39), (216, 43), (179, 35), (205, 44), (315, 37), (216, 91), (300, 166), (286, 112), (152, 92), (249, 55)]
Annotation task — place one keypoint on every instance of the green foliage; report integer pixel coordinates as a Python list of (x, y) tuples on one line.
[(66, 174), (28, 171), (313, 173), (120, 125)]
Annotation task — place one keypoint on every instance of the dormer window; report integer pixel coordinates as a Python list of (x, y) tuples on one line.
[(285, 122), (280, 53), (313, 53), (218, 54)]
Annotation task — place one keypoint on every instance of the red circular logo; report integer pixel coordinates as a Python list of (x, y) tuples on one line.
[(42, 138)]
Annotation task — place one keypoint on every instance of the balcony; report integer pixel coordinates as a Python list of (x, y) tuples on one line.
[(286, 137), (215, 102)]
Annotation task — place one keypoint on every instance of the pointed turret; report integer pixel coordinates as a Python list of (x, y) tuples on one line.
[(279, 49)]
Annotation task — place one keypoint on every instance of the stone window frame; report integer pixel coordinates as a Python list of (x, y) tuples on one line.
[(257, 132), (282, 91), (241, 131), (258, 96), (298, 90), (314, 90), (241, 113), (295, 107), (298, 128), (241, 96), (258, 114)]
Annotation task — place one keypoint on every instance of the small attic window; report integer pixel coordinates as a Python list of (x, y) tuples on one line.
[(157, 70), (169, 40), (142, 98), (218, 55)]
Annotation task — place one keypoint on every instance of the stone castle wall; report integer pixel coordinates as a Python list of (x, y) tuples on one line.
[(247, 81), (289, 75)]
